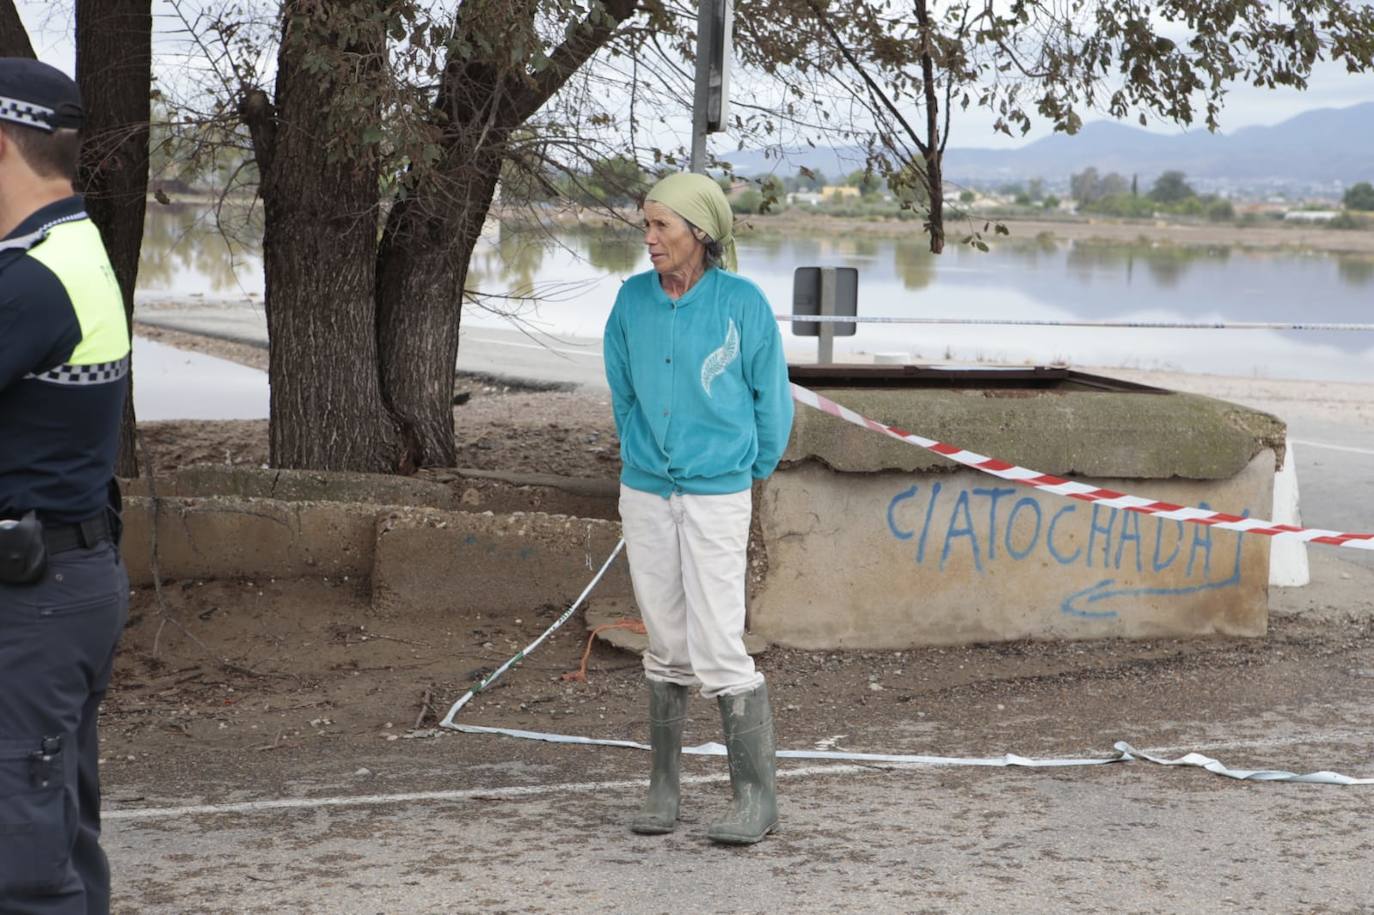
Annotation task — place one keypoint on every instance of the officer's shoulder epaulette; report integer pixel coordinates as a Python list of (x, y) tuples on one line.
[(24, 242), (36, 237)]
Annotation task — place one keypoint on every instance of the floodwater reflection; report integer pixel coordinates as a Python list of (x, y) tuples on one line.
[(564, 280), (187, 251)]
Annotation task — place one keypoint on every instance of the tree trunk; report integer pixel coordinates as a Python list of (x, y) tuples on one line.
[(14, 40), (423, 264), (936, 179), (319, 251), (114, 70), (430, 234)]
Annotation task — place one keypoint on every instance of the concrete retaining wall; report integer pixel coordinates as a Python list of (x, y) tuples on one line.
[(249, 538), (206, 480), (867, 542), (415, 557), (428, 560), (503, 493)]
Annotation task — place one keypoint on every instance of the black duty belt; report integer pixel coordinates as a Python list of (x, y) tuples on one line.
[(59, 538)]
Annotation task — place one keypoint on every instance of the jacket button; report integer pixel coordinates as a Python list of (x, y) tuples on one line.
[(668, 359)]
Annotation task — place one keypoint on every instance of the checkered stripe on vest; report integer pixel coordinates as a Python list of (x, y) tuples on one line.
[(97, 373), (26, 113)]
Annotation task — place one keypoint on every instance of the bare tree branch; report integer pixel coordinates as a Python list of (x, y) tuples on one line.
[(584, 41)]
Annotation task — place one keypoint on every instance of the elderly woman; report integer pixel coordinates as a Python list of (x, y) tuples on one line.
[(702, 404)]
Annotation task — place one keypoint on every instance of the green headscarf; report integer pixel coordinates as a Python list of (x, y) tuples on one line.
[(700, 201)]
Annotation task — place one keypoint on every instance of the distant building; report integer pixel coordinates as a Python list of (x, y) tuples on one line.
[(806, 198), (1310, 215), (839, 191)]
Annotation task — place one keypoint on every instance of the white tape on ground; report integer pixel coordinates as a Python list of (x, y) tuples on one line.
[(873, 761), (1255, 775), (520, 655), (716, 749), (1125, 752)]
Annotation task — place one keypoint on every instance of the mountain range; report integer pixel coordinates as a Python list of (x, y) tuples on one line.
[(1327, 146)]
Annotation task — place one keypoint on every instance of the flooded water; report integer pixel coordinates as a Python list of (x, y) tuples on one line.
[(564, 284)]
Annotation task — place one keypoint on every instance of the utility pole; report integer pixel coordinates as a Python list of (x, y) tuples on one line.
[(711, 100)]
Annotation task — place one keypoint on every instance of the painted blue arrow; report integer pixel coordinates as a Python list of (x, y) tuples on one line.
[(1103, 590)]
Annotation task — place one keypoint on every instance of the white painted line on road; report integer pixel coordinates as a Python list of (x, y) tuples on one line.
[(470, 794), (590, 354), (1328, 447)]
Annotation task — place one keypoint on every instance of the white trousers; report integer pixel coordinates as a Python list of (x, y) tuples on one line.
[(688, 558)]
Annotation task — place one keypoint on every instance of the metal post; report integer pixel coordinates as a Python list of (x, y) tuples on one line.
[(825, 343), (701, 98)]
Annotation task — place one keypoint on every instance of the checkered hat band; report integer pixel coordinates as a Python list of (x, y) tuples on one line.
[(26, 113), (97, 373)]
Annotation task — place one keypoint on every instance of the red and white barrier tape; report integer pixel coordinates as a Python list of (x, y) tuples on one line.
[(1033, 322), (1083, 491)]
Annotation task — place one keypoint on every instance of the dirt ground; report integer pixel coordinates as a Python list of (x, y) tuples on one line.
[(263, 666), (219, 671)]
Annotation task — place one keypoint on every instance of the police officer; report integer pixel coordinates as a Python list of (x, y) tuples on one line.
[(64, 363)]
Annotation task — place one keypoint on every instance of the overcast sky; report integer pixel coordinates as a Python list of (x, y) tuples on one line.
[(50, 27)]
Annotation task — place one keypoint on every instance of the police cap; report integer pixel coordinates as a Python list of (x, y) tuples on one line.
[(37, 95)]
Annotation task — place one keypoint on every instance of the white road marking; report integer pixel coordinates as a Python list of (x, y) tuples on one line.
[(1329, 447), (469, 794), (492, 341)]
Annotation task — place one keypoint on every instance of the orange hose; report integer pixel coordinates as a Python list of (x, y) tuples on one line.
[(580, 675)]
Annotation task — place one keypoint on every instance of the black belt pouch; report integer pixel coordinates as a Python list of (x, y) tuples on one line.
[(23, 556)]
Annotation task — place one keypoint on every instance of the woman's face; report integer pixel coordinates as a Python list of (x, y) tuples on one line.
[(673, 246)]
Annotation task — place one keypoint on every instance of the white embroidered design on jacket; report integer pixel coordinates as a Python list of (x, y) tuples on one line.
[(715, 364)]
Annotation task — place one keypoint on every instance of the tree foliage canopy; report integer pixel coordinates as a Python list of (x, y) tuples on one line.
[(380, 130), (1040, 60), (1171, 187), (1359, 196)]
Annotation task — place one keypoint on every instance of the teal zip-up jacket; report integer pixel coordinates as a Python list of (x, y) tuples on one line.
[(699, 386)]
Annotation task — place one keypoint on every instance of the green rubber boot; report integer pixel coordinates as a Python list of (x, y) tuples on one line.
[(667, 712), (748, 723)]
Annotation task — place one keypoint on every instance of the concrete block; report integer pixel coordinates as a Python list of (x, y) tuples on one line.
[(1125, 435), (504, 492), (891, 560), (205, 480), (434, 560), (248, 538)]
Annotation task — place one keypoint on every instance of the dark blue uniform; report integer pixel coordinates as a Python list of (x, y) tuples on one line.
[(64, 358)]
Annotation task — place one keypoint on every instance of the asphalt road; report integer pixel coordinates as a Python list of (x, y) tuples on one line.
[(1123, 838), (496, 351)]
